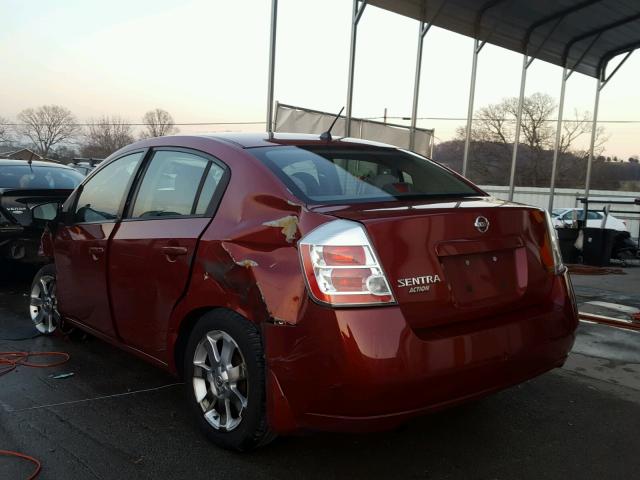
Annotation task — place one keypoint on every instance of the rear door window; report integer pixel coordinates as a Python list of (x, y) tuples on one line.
[(340, 175), (211, 182), (176, 184)]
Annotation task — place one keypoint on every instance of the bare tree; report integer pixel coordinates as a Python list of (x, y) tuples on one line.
[(581, 125), (47, 126), (495, 124), (158, 123), (4, 131), (106, 135)]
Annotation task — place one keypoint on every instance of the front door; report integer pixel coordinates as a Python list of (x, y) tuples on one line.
[(153, 247), (81, 246)]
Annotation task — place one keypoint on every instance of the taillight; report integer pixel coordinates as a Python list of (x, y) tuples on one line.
[(341, 267), (550, 254)]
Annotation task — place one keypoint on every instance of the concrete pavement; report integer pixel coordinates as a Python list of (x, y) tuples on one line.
[(582, 421)]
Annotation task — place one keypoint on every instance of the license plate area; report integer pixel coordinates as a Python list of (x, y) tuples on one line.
[(485, 278)]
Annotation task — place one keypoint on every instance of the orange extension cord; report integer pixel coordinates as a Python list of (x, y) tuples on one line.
[(35, 473), (8, 362)]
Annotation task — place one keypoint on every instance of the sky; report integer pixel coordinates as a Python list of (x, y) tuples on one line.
[(206, 61)]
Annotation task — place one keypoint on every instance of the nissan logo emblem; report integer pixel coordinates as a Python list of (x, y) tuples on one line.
[(481, 224)]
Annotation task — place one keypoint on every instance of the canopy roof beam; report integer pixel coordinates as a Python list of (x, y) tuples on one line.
[(615, 70), (607, 57), (598, 31), (561, 15)]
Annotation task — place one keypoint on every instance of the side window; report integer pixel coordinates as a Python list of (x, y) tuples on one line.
[(170, 185), (102, 195), (208, 188)]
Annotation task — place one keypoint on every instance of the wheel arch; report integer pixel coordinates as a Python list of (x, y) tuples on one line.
[(185, 328)]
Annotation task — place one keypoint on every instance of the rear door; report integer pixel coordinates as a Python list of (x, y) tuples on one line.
[(81, 247), (153, 248)]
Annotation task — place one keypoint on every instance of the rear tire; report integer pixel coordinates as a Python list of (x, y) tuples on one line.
[(224, 374)]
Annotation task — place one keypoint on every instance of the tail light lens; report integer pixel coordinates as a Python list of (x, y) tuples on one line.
[(341, 267), (550, 251)]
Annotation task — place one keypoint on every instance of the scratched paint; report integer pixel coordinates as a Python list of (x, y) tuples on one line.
[(288, 224)]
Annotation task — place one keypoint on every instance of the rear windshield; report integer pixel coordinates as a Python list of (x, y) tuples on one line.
[(321, 175), (36, 177)]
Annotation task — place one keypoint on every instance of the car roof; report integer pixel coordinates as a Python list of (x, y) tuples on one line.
[(35, 163), (265, 139)]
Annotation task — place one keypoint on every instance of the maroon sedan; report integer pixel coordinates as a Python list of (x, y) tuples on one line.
[(297, 283)]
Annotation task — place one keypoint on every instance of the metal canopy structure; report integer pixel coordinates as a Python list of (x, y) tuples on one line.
[(555, 31), (578, 35)]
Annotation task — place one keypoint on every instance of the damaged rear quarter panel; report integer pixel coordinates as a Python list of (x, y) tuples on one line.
[(247, 259)]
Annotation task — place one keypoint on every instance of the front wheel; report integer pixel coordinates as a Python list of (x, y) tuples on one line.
[(225, 380), (43, 304)]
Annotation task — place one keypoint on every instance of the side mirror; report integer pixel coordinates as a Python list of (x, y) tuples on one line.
[(45, 212)]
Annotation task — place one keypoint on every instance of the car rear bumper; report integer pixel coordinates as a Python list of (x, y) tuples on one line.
[(366, 369)]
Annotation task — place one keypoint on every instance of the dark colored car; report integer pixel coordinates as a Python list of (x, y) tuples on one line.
[(85, 165), (296, 283), (25, 186)]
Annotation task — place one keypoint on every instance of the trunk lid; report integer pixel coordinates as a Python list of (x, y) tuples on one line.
[(443, 268)]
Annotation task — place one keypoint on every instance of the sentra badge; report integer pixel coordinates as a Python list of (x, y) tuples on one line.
[(418, 284)]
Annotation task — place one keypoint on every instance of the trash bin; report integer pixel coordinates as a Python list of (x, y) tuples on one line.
[(567, 238), (597, 246)]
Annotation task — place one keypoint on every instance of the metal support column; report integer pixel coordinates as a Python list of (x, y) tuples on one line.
[(477, 46), (556, 147), (594, 127), (602, 82), (526, 62), (272, 64), (358, 9), (423, 28)]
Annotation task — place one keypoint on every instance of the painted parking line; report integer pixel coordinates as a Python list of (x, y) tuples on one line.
[(615, 306)]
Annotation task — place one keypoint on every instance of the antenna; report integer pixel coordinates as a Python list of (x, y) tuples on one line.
[(327, 135)]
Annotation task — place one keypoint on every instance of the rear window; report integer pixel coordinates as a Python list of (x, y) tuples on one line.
[(36, 177), (324, 175)]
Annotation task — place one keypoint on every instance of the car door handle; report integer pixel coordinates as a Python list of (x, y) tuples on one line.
[(96, 252), (172, 252)]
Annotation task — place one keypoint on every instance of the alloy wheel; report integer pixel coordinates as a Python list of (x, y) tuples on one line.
[(43, 305), (220, 383)]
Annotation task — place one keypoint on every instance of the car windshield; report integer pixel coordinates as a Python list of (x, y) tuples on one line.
[(38, 177), (557, 212), (330, 175)]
